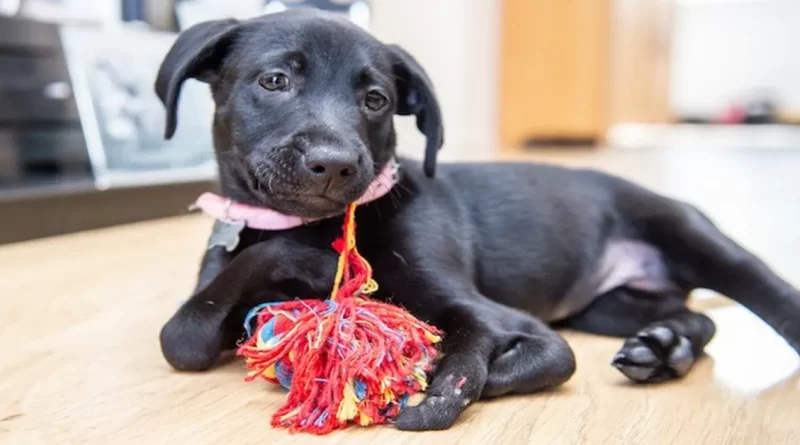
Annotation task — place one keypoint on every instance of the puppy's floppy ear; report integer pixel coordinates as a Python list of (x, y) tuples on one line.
[(416, 96), (197, 53)]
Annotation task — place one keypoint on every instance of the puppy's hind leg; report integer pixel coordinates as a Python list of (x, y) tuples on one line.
[(700, 256), (665, 338), (665, 349)]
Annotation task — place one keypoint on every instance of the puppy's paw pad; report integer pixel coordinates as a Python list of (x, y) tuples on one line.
[(654, 355), (658, 337), (433, 413)]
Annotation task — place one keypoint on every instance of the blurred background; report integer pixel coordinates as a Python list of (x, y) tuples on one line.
[(696, 98)]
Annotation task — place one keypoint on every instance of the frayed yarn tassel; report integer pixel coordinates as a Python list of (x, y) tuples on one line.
[(345, 360)]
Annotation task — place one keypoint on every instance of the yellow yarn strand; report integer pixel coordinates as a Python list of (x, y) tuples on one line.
[(349, 243), (350, 246)]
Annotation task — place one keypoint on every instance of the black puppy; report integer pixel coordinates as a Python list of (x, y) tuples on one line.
[(490, 253)]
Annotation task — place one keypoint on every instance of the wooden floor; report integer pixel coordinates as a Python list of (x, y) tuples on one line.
[(79, 317)]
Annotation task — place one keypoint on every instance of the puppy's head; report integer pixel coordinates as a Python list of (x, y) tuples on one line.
[(304, 106)]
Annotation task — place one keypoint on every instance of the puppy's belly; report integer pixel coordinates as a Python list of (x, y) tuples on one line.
[(632, 264)]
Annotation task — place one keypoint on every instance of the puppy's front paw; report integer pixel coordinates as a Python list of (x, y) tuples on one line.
[(191, 344), (433, 413), (656, 354)]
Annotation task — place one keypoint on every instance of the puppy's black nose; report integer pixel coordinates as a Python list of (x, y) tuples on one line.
[(334, 167)]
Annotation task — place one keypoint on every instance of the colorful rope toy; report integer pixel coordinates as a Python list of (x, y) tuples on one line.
[(348, 359)]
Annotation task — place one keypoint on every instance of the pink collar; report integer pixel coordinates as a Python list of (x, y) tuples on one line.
[(262, 218)]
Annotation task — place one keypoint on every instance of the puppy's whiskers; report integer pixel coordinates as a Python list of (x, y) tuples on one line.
[(394, 197), (400, 185)]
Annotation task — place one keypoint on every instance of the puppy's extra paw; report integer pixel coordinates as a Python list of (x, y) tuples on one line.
[(433, 413), (656, 354)]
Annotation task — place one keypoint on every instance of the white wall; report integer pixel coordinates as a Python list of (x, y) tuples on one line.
[(457, 42), (728, 50), (101, 11)]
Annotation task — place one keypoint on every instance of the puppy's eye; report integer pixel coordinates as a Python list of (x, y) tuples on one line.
[(274, 82), (375, 101)]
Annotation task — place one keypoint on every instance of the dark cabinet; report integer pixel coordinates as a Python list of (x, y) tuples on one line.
[(40, 132)]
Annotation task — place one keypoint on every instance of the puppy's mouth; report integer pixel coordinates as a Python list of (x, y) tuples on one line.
[(317, 206), (296, 200), (308, 206)]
